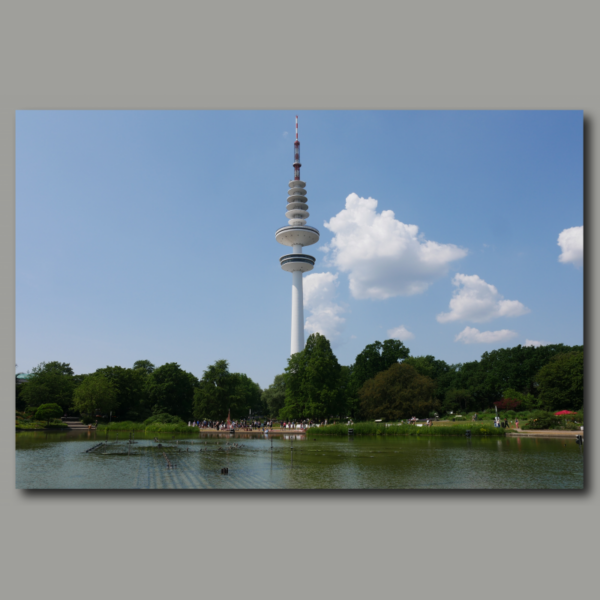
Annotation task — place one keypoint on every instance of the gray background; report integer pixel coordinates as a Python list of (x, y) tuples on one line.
[(274, 54)]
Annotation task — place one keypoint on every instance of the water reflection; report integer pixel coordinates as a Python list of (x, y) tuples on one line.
[(69, 460)]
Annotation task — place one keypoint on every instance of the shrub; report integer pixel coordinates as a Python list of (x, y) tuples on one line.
[(170, 428), (382, 430), (121, 426), (542, 421), (508, 404), (164, 418), (48, 411)]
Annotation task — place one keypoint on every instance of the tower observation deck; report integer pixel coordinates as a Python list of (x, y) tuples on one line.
[(297, 234)]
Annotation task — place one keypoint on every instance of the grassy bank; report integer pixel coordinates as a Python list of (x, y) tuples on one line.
[(380, 429), (152, 428), (27, 422)]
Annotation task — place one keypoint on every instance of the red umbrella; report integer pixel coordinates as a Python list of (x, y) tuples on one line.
[(560, 413)]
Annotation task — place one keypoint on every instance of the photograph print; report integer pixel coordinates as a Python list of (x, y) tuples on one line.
[(298, 299)]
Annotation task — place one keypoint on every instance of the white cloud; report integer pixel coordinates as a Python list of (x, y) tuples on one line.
[(571, 243), (383, 256), (471, 335), (320, 290), (479, 301), (535, 343), (400, 333), (285, 134)]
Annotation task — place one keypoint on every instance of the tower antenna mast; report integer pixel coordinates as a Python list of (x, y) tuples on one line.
[(297, 164)]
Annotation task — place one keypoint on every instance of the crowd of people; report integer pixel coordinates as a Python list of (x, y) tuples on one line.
[(498, 422), (253, 425)]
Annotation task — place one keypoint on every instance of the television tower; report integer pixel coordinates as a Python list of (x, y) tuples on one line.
[(297, 235)]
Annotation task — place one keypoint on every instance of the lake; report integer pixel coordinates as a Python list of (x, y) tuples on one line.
[(58, 460)]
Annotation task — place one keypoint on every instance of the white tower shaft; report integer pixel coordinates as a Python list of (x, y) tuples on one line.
[(297, 313)]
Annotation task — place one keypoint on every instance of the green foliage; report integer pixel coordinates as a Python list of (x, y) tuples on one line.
[(245, 396), (438, 370), (170, 389), (20, 402), (458, 400), (48, 411), (211, 397), (398, 393), (27, 420), (96, 393), (164, 418), (121, 426), (170, 428), (312, 380), (273, 397), (154, 427), (527, 401), (506, 368), (129, 385), (220, 392), (383, 429), (560, 382), (545, 422), (49, 383), (375, 358), (144, 365), (541, 419)]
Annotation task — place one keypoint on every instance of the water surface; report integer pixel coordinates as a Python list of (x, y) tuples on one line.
[(57, 460)]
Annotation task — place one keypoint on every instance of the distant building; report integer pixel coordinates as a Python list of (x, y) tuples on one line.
[(22, 377)]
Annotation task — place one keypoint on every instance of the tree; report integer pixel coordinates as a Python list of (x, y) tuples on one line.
[(526, 401), (212, 396), (273, 397), (144, 365), (456, 400), (49, 383), (375, 358), (48, 411), (399, 392), (130, 386), (506, 368), (560, 382), (312, 381), (438, 370), (170, 389), (96, 393), (245, 396)]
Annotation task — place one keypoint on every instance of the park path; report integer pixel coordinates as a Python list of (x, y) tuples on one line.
[(543, 433)]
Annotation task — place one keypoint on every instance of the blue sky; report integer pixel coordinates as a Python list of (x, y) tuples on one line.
[(150, 234)]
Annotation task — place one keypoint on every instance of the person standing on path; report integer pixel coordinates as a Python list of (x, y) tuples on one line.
[(517, 424)]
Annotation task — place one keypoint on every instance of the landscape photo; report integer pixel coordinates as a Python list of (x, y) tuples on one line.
[(299, 299)]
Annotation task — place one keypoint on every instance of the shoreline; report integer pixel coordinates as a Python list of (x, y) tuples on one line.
[(547, 433)]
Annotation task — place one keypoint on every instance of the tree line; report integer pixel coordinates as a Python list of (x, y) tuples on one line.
[(140, 392), (384, 382)]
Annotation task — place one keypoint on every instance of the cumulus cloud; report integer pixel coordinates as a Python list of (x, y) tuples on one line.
[(535, 343), (471, 335), (383, 256), (400, 333), (478, 301), (571, 243), (320, 290)]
